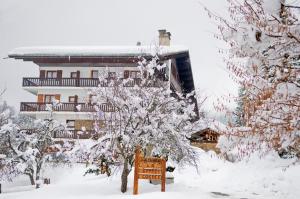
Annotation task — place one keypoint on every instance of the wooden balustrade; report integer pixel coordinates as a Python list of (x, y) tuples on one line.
[(77, 82), (67, 134), (65, 82), (65, 107), (74, 134)]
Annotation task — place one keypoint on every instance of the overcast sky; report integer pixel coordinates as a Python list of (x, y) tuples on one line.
[(110, 22)]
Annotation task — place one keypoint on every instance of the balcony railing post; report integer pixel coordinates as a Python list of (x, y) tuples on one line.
[(77, 82)]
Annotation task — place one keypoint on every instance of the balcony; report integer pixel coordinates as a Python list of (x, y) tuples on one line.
[(75, 82), (75, 134), (64, 107), (69, 134)]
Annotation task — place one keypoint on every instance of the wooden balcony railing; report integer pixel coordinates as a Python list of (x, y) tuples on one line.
[(68, 134), (74, 134), (65, 107), (75, 82)]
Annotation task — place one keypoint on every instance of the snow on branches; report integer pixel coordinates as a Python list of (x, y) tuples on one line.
[(25, 151), (144, 113), (264, 55)]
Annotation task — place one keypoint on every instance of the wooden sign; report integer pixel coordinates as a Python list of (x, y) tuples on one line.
[(148, 168)]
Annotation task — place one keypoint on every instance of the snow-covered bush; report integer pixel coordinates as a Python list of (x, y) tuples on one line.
[(7, 166), (6, 113), (25, 151), (263, 57), (29, 150), (148, 114)]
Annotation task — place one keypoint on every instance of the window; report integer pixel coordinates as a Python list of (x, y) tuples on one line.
[(70, 124), (72, 99), (111, 75), (74, 75), (126, 74), (51, 74), (49, 98), (91, 99), (94, 74), (135, 74)]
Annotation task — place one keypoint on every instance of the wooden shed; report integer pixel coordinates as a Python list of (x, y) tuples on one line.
[(206, 139)]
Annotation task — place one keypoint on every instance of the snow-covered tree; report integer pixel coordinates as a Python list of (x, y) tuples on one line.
[(239, 112), (264, 41), (27, 150), (7, 166), (24, 121), (6, 113), (147, 114)]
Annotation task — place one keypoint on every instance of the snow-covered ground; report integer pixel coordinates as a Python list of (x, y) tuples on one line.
[(259, 179)]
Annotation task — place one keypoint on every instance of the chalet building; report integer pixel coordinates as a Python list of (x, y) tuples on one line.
[(206, 139), (67, 73)]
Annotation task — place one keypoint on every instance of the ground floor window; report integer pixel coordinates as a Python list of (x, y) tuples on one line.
[(70, 124)]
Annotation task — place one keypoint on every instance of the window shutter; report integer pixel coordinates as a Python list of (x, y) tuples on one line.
[(126, 74), (42, 74), (76, 98), (57, 97), (40, 98), (78, 74), (59, 74)]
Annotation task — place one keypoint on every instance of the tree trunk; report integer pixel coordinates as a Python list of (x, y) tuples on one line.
[(124, 177), (38, 172), (31, 179)]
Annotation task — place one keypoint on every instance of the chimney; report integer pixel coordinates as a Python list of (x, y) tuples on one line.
[(164, 37)]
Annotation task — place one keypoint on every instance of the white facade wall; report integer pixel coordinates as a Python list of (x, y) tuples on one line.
[(61, 116), (85, 70), (81, 92), (65, 92)]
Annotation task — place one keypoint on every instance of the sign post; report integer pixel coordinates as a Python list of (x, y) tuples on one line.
[(148, 168)]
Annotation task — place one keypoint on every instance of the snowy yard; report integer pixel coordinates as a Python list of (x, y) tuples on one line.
[(217, 178)]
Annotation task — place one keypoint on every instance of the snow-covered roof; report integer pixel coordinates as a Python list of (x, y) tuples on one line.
[(95, 51), (213, 125)]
